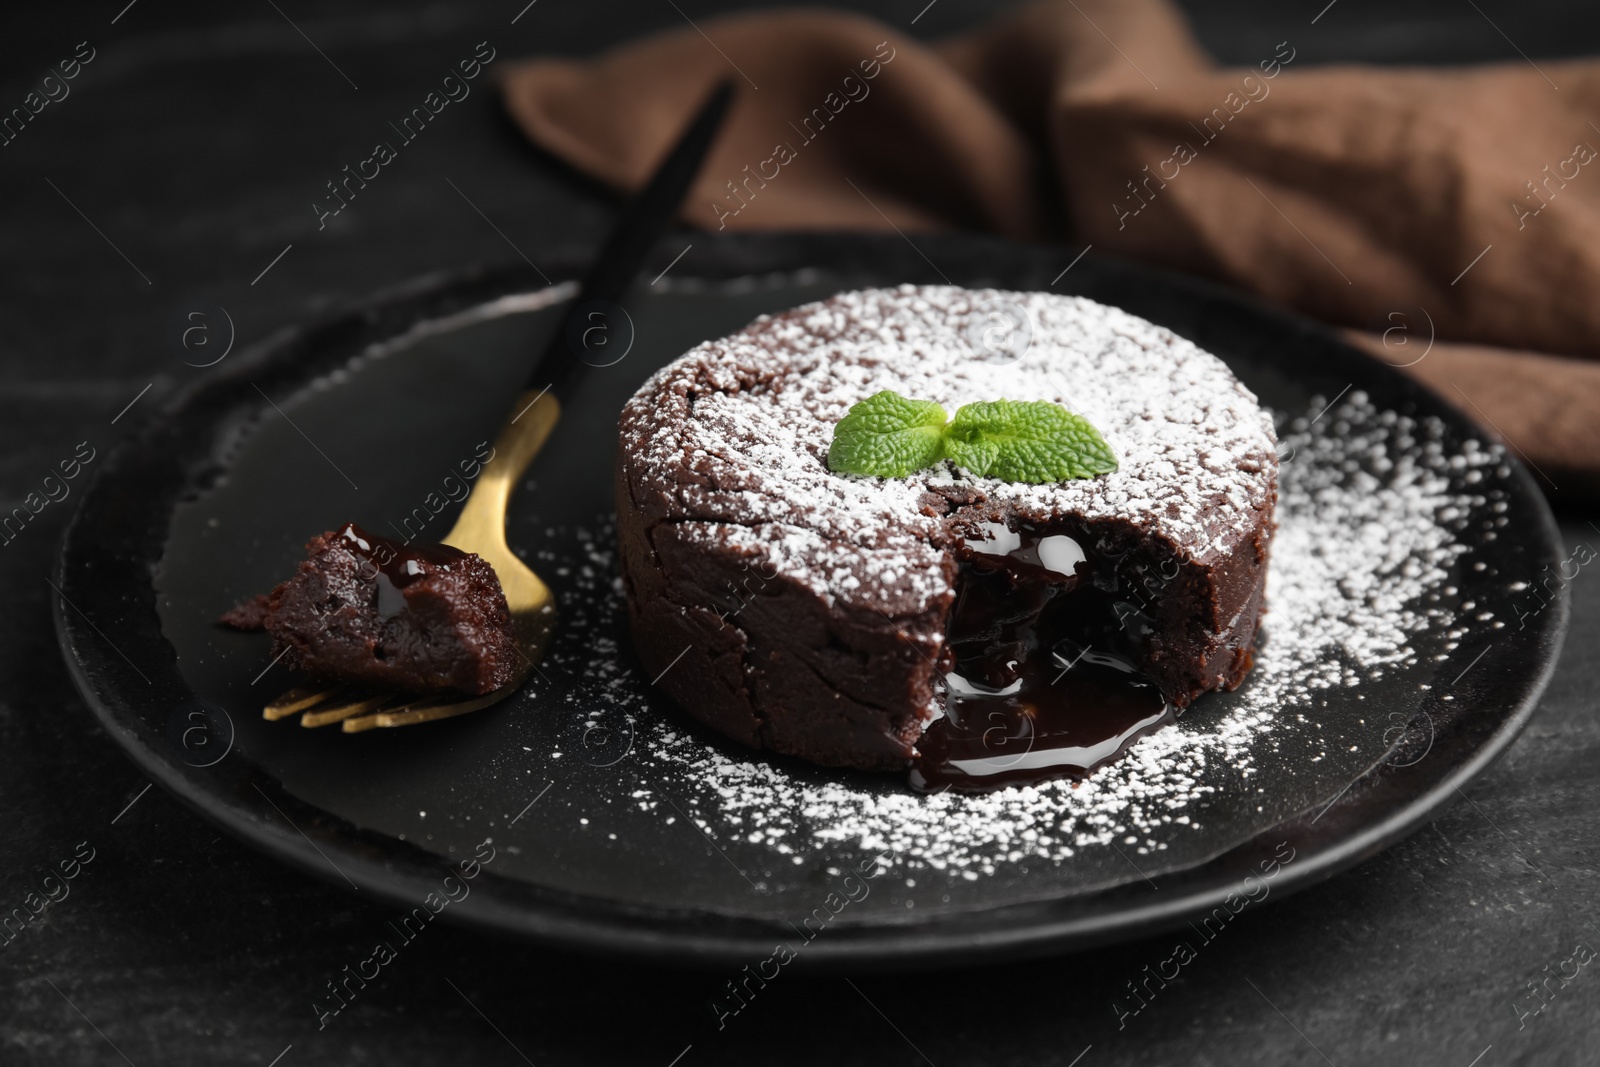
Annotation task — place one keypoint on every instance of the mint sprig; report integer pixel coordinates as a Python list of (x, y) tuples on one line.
[(889, 436)]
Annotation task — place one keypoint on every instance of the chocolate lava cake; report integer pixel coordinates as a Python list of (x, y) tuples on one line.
[(979, 631), (374, 611)]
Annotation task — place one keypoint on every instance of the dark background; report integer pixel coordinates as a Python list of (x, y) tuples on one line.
[(195, 142)]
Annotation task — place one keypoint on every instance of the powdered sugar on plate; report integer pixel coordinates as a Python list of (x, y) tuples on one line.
[(1372, 510)]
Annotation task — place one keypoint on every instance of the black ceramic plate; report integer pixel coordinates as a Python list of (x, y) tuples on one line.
[(614, 825)]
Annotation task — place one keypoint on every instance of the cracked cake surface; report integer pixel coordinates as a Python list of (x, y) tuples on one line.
[(803, 610)]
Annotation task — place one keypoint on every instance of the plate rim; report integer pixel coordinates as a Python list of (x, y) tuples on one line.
[(688, 936)]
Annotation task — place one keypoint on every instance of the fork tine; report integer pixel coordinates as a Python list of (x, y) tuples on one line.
[(344, 710), (298, 699), (413, 713)]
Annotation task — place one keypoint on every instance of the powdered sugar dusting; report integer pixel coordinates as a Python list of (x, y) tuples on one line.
[(738, 430)]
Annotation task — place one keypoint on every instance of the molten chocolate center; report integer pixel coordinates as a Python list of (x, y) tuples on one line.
[(1045, 682)]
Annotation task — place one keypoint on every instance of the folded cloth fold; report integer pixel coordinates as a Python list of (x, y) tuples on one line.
[(1464, 197)]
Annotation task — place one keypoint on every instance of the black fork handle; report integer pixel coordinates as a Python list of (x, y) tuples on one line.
[(561, 365)]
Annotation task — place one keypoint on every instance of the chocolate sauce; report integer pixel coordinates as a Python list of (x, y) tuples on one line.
[(393, 565), (1045, 683)]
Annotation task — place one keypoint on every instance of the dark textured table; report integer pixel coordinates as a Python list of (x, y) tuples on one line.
[(180, 167)]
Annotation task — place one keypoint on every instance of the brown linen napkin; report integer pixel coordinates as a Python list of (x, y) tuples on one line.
[(1350, 193)]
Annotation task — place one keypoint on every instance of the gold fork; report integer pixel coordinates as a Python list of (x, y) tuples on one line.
[(481, 528)]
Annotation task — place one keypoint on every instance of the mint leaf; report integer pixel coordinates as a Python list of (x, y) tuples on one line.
[(889, 436), (1026, 441)]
